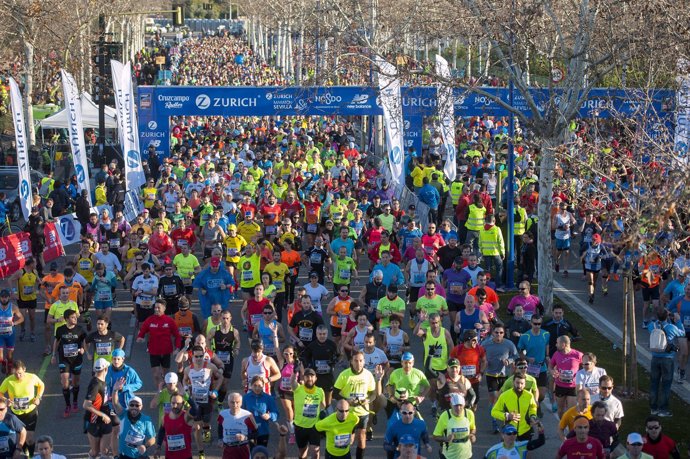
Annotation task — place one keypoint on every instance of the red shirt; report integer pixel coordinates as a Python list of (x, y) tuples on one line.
[(255, 311), (313, 209), (183, 238), (271, 214), (290, 209), (470, 360), (160, 244), (573, 449), (173, 429), (244, 208), (661, 449), (160, 330)]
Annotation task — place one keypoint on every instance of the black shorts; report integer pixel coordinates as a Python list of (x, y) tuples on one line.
[(188, 289), (494, 383), (414, 293), (325, 382), (607, 264), (285, 394), (248, 290), (71, 366), (228, 367), (28, 304), (29, 419), (204, 412), (542, 379), (305, 436), (453, 306), (97, 429), (143, 314), (159, 360), (650, 293), (565, 391), (337, 332), (595, 272), (208, 251), (363, 421)]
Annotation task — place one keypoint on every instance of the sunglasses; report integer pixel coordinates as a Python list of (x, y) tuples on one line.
[(606, 388), (267, 313), (343, 411), (407, 413), (510, 434), (653, 427), (134, 405), (538, 324)]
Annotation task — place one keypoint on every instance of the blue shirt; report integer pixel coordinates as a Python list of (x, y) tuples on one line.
[(396, 429), (674, 289), (682, 307), (429, 196), (672, 331), (535, 346), (407, 237), (391, 274), (258, 405), (133, 435), (348, 243), (132, 383)]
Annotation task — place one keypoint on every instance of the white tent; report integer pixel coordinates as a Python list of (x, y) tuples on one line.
[(89, 111)]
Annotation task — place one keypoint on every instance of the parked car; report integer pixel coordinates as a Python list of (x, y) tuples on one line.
[(9, 184)]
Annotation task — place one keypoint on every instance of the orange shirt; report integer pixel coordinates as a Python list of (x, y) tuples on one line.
[(654, 267), (340, 312), (75, 291), (48, 284), (491, 296), (292, 259), (470, 360)]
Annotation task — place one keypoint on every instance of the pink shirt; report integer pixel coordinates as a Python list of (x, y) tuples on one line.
[(567, 366), (529, 304)]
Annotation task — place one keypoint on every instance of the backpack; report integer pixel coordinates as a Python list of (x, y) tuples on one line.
[(657, 340)]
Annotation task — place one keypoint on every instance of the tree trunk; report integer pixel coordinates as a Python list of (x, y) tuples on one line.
[(545, 256), (29, 91), (300, 55), (469, 60)]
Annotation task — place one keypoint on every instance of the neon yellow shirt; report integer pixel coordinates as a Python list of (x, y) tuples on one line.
[(338, 434), (22, 393), (358, 386), (307, 405)]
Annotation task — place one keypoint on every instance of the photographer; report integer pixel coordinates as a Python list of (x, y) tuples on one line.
[(663, 360)]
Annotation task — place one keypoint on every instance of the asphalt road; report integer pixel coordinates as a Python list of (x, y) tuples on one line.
[(71, 441)]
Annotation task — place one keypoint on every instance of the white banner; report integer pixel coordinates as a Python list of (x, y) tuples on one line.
[(76, 131), (127, 125), (133, 206), (22, 145), (69, 229), (445, 108), (682, 132), (391, 102)]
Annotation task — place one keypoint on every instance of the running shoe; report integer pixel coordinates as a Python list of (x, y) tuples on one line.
[(565, 273), (591, 299), (554, 407), (291, 440), (434, 412), (207, 436), (66, 413), (681, 376), (605, 290), (33, 338), (202, 455), (370, 434), (558, 268), (75, 407)]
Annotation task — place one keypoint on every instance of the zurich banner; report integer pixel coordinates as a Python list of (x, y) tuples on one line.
[(157, 104)]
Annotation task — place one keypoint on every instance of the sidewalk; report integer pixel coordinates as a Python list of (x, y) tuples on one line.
[(614, 333)]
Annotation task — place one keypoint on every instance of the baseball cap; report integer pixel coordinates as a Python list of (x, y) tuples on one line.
[(215, 262), (635, 438), (453, 363), (101, 364), (171, 378), (407, 356), (118, 353), (4, 292), (458, 260), (401, 394), (232, 226), (135, 400), (509, 429), (407, 439), (309, 371), (468, 335), (596, 238), (457, 399), (53, 266)]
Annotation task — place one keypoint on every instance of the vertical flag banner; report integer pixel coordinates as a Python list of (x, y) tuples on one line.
[(14, 250), (76, 131), (391, 102), (127, 124), (445, 108), (682, 131), (53, 248), (22, 149)]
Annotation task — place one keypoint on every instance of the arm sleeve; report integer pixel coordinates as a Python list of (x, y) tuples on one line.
[(535, 443), (160, 436), (220, 427)]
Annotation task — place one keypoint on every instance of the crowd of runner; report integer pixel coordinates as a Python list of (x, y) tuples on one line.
[(270, 224)]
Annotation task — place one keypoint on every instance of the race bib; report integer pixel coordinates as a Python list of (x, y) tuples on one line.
[(686, 321), (565, 376), (186, 331), (309, 410), (224, 356), (469, 371), (315, 258), (311, 228), (528, 315), (105, 348), (255, 319), (341, 441), (419, 278), (85, 265), (306, 334), (70, 350), (182, 243), (104, 295), (214, 283), (145, 301), (374, 304), (278, 285), (21, 403), (186, 281), (342, 320), (28, 289), (4, 444), (6, 326), (344, 274), (247, 276), (169, 290), (175, 442), (200, 394), (270, 230), (115, 243), (134, 438), (285, 384), (322, 366), (534, 369), (456, 288)]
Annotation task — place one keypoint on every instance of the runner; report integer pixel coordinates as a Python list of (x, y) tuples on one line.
[(338, 428), (511, 448), (225, 341), (144, 289), (24, 391), (138, 430), (309, 402), (163, 335), (10, 316), (455, 429), (202, 379), (68, 350), (103, 286), (104, 341), (176, 427), (235, 425), (259, 364), (27, 289)]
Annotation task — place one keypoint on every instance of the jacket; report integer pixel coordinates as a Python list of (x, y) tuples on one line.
[(509, 401)]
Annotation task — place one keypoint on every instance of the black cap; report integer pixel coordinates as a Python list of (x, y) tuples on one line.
[(458, 260), (468, 335), (53, 266)]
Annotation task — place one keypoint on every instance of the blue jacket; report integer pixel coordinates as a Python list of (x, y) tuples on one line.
[(258, 405), (396, 429), (211, 283), (429, 196), (390, 272), (132, 383)]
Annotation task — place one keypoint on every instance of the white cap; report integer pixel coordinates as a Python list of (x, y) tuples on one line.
[(101, 364), (171, 378), (137, 400), (457, 399)]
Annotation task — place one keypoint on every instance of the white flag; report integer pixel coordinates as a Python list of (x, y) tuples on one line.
[(445, 106), (76, 131), (391, 102), (682, 131), (25, 195), (127, 125)]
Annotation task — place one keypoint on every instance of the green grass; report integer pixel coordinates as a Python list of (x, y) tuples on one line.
[(637, 409)]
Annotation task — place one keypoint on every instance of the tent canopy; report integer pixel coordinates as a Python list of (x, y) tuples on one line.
[(89, 111)]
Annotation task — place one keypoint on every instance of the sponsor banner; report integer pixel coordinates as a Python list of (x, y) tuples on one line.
[(14, 250), (53, 248), (127, 124), (69, 229), (22, 146), (133, 206), (445, 110), (412, 134), (682, 131), (76, 131), (391, 101)]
